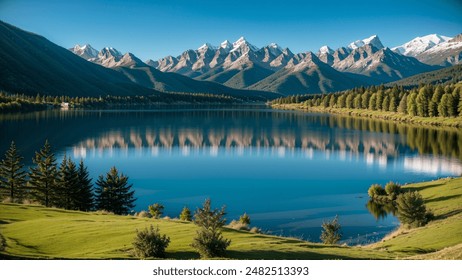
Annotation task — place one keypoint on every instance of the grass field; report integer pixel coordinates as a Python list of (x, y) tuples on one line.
[(36, 232)]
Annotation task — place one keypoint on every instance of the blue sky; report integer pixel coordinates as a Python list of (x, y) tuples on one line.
[(157, 28)]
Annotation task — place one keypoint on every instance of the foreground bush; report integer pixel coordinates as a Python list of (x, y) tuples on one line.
[(150, 243), (209, 242), (331, 231), (411, 209), (376, 191)]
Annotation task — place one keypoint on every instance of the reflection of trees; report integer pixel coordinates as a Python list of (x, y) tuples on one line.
[(380, 210)]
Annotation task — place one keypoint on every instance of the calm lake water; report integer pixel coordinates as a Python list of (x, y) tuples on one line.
[(289, 171)]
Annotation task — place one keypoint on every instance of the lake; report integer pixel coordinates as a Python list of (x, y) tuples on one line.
[(288, 170)]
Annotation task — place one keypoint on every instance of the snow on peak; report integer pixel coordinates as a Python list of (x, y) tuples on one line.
[(275, 46), (206, 46), (85, 51), (419, 45), (111, 50), (373, 40), (226, 45), (242, 42), (326, 50)]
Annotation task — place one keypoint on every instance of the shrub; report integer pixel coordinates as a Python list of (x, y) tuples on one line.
[(392, 189), (331, 231), (255, 230), (375, 191), (185, 214), (150, 243), (244, 219), (238, 225), (156, 210), (209, 241), (143, 214), (411, 209)]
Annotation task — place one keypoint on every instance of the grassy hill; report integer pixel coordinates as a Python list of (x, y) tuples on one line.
[(34, 231)]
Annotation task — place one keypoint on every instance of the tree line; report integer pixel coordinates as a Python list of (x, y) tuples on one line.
[(66, 185), (26, 103), (423, 101)]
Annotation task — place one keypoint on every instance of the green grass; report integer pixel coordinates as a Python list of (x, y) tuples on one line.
[(34, 232), (391, 116)]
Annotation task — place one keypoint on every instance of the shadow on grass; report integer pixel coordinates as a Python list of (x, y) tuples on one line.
[(421, 188), (449, 214), (443, 198), (278, 255)]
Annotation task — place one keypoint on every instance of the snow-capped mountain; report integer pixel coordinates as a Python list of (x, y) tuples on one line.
[(373, 40), (420, 44), (85, 51), (434, 49)]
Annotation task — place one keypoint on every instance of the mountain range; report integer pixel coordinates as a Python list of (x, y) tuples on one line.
[(242, 65), (31, 64)]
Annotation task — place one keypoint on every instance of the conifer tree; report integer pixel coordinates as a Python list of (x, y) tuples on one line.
[(44, 176), (209, 241), (331, 233), (185, 214), (68, 185), (12, 174), (411, 104), (402, 107), (85, 195), (113, 193)]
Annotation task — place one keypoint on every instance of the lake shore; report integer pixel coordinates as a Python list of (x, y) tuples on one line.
[(36, 232), (388, 116)]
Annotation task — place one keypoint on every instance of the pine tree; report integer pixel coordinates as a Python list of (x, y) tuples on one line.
[(12, 174), (411, 209), (385, 103), (44, 176), (209, 241), (185, 214), (373, 102), (113, 193), (85, 194), (68, 185), (422, 102), (331, 233), (379, 100), (156, 210), (411, 104), (402, 107)]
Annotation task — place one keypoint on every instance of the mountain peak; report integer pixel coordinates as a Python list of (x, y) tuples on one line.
[(206, 46), (242, 42), (372, 40), (226, 45), (86, 51), (326, 50), (419, 45)]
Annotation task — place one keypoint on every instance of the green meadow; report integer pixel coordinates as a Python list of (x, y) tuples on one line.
[(36, 232)]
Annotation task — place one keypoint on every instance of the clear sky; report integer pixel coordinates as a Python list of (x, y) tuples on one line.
[(157, 28)]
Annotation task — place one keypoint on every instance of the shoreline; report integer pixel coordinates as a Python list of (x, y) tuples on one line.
[(455, 122)]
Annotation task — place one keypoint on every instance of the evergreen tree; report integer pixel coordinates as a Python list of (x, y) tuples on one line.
[(411, 104), (365, 100), (12, 174), (411, 209), (156, 210), (385, 103), (85, 195), (422, 102), (209, 241), (402, 107), (373, 102), (341, 101), (113, 193), (349, 101), (44, 176), (331, 231), (357, 102), (185, 214), (393, 107), (68, 185)]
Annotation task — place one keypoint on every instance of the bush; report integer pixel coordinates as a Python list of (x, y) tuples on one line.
[(185, 214), (255, 230), (209, 241), (156, 210), (411, 209), (150, 243), (143, 214), (392, 189), (375, 191), (244, 219), (238, 225), (331, 231)]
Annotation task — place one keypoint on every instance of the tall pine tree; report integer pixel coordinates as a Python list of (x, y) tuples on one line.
[(85, 195), (44, 176), (12, 174), (68, 185), (113, 193)]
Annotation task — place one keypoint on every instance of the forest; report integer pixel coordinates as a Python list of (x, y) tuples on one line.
[(426, 100)]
